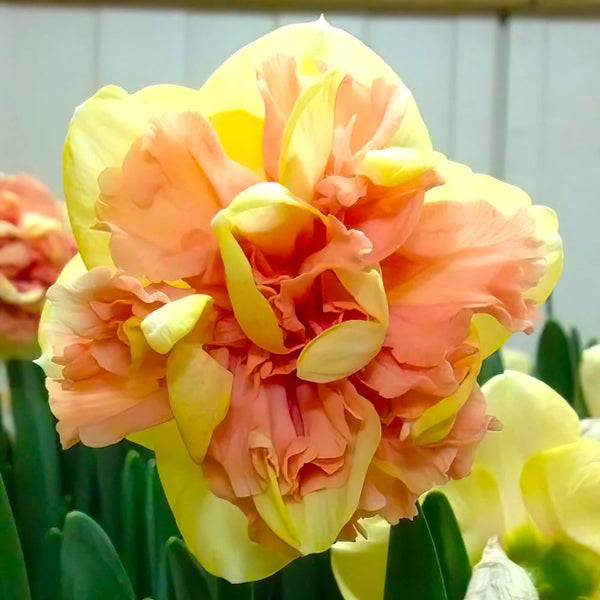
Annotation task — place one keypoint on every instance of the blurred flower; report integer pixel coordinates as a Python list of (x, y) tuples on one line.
[(516, 360), (589, 372), (281, 263), (536, 486), (35, 245)]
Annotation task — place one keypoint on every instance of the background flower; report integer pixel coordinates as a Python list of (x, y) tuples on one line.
[(35, 244), (535, 485), (339, 284), (589, 372)]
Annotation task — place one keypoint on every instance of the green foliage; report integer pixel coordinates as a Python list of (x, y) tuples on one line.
[(491, 367), (449, 545), (190, 581), (309, 577), (13, 576), (413, 568), (38, 498), (90, 566)]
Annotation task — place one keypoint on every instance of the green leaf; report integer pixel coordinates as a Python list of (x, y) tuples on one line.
[(575, 349), (109, 469), (270, 588), (235, 591), (554, 363), (47, 575), (91, 569), (160, 526), (449, 545), (490, 367), (39, 503), (189, 579), (134, 539), (310, 577), (413, 570), (13, 576)]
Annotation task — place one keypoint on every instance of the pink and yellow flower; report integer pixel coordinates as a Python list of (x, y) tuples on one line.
[(300, 288), (34, 246)]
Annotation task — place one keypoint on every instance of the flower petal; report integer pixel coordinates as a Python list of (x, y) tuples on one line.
[(210, 526), (308, 136), (550, 422), (359, 567), (199, 392), (233, 85), (313, 523), (100, 135), (589, 371), (166, 326), (321, 360), (561, 490)]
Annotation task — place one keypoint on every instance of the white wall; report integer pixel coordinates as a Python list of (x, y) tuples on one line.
[(520, 100)]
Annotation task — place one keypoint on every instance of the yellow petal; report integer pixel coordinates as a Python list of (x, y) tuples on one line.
[(561, 488), (340, 351), (308, 136), (240, 134), (359, 567), (589, 371), (262, 208), (322, 359), (100, 135), (394, 166), (166, 326), (313, 523), (199, 392), (477, 505), (549, 422), (214, 530), (437, 421), (489, 332), (546, 229), (233, 85)]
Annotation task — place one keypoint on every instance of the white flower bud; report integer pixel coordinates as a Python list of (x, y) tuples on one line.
[(496, 577)]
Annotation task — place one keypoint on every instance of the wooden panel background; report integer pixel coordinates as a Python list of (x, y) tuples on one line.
[(517, 97)]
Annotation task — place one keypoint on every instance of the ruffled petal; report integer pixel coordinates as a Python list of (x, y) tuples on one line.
[(210, 526), (233, 84), (121, 118)]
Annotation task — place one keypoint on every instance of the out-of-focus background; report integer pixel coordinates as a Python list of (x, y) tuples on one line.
[(515, 95)]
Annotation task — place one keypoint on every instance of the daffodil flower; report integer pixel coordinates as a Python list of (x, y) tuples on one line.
[(536, 486), (285, 292), (589, 372), (35, 244)]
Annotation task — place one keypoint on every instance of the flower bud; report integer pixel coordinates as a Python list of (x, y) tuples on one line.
[(496, 577)]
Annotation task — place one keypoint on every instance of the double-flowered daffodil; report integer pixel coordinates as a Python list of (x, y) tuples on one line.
[(286, 293), (35, 244)]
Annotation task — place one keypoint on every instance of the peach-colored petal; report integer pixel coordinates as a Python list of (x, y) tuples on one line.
[(34, 246), (161, 229)]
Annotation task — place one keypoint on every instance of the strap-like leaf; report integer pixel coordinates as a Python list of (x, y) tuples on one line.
[(490, 367), (39, 503), (134, 538), (449, 545), (13, 576), (413, 570), (310, 577), (554, 363), (91, 569), (189, 580)]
